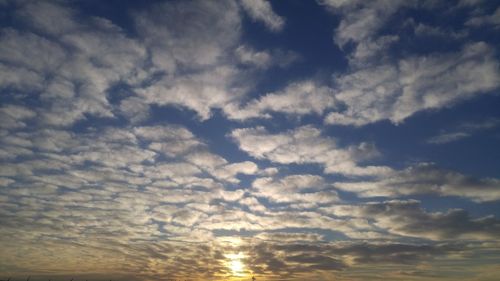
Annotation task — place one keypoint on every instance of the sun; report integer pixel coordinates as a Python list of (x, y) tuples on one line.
[(235, 264)]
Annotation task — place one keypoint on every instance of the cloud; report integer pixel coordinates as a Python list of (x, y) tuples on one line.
[(407, 218), (463, 131), (14, 116), (396, 92), (426, 178), (485, 20), (382, 82), (309, 190), (448, 137), (228, 172), (82, 60), (196, 64), (248, 56), (261, 10), (362, 20), (92, 182), (385, 83), (265, 58), (175, 33), (253, 204), (169, 140), (306, 145), (182, 54), (292, 259), (299, 98)]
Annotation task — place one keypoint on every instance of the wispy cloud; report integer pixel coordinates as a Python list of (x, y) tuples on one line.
[(261, 10), (462, 131)]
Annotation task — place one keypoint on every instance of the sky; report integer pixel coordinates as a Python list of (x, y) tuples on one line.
[(230, 139)]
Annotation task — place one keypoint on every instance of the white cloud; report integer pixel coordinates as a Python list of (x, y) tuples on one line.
[(164, 194), (200, 91), (265, 58), (299, 98), (186, 55), (22, 49), (170, 140), (258, 58), (396, 92), (228, 172), (82, 59), (306, 145), (362, 20), (292, 183), (253, 204), (310, 190), (261, 10)]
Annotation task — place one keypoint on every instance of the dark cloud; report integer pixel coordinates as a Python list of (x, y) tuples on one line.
[(408, 218), (427, 178)]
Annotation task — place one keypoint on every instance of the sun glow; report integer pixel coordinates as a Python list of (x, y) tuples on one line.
[(235, 264)]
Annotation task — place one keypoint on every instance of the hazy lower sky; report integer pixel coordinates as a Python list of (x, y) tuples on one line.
[(230, 139)]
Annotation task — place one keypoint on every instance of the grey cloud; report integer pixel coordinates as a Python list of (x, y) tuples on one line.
[(315, 262), (288, 259), (394, 253), (174, 32), (407, 218), (290, 237), (15, 116), (485, 20), (48, 16), (427, 179)]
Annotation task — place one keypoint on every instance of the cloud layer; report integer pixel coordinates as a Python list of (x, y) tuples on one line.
[(190, 140)]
